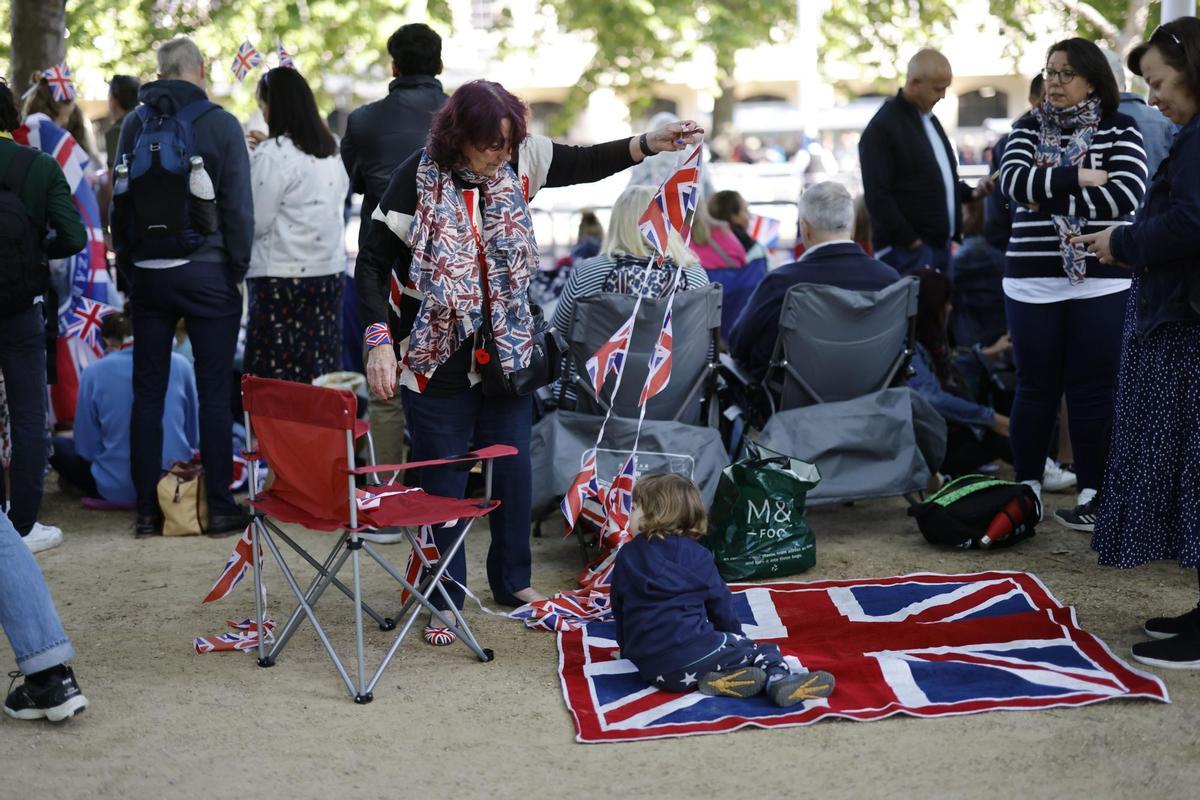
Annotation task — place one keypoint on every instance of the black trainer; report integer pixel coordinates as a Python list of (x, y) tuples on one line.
[(57, 699), (1166, 627), (1178, 652), (1079, 518), (796, 688), (740, 682)]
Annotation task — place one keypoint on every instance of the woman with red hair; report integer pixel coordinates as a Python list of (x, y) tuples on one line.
[(445, 270)]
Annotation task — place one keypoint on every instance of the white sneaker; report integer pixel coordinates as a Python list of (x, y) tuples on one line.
[(1055, 478), (43, 537)]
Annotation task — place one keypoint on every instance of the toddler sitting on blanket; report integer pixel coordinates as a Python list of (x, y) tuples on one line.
[(674, 613)]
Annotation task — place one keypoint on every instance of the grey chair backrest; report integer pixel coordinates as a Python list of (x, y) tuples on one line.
[(837, 344), (695, 324)]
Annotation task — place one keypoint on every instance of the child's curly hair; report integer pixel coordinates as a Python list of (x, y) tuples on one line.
[(671, 506)]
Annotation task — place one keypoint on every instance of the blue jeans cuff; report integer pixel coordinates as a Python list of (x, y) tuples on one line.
[(52, 656)]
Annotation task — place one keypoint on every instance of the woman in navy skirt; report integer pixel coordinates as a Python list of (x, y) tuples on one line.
[(1149, 505)]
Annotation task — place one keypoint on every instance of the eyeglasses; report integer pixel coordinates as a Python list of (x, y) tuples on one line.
[(1054, 76)]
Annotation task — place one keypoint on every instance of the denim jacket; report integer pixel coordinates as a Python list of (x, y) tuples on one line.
[(1163, 243)]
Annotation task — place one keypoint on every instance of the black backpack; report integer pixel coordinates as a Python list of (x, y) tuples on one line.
[(977, 511), (23, 271)]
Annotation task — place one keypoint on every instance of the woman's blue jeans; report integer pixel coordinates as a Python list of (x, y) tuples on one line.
[(449, 425), (27, 611)]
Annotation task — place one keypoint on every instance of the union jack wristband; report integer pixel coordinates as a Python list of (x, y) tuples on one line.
[(377, 334)]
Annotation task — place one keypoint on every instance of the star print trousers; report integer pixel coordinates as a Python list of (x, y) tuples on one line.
[(737, 652)]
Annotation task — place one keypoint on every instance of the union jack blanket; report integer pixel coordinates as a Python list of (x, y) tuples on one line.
[(924, 645)]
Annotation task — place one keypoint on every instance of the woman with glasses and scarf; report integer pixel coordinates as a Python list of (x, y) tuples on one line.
[(1073, 165), (1150, 503), (451, 243)]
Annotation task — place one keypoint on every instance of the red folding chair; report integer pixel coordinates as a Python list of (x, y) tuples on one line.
[(307, 435)]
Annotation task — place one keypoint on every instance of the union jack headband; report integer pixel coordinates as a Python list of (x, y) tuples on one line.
[(61, 86)]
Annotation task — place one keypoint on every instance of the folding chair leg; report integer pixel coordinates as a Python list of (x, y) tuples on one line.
[(385, 623), (256, 559), (362, 696), (320, 583), (312, 617)]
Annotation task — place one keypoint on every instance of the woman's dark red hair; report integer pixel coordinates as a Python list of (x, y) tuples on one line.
[(472, 116)]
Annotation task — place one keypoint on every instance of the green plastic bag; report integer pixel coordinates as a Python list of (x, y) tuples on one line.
[(757, 528)]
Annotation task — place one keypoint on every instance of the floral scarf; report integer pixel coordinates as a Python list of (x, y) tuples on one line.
[(446, 267), (1081, 121)]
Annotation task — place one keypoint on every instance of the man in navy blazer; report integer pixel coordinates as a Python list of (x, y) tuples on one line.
[(831, 258)]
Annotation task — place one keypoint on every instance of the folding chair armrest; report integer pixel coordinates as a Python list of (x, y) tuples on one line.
[(485, 454)]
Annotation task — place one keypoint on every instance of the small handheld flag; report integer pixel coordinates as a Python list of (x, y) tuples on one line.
[(62, 87), (247, 58), (285, 58)]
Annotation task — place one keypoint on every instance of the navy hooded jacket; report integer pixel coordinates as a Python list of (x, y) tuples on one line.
[(670, 604), (222, 144)]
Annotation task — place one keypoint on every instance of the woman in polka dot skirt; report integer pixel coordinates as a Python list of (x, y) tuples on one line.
[(1149, 505)]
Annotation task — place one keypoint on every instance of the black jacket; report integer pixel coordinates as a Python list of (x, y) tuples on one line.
[(669, 603), (1163, 243), (222, 144), (381, 135), (902, 181)]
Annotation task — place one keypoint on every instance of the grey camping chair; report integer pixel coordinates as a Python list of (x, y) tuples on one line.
[(696, 327), (836, 344)]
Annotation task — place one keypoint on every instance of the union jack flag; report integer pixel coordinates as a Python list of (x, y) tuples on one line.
[(244, 636), (660, 359), (240, 562), (764, 230), (412, 570), (923, 645), (62, 88), (653, 225), (583, 487), (610, 356), (88, 268), (86, 319), (673, 204), (285, 58), (246, 59), (618, 503)]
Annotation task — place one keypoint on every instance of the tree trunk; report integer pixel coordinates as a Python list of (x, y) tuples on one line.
[(38, 28), (723, 108)]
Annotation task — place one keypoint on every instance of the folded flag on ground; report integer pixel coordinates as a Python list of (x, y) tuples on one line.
[(244, 636)]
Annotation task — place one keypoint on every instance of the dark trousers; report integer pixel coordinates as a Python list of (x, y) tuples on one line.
[(206, 297), (448, 425), (1074, 347), (23, 362), (906, 261), (74, 468), (738, 651)]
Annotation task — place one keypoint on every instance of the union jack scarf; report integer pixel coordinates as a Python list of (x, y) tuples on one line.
[(446, 268)]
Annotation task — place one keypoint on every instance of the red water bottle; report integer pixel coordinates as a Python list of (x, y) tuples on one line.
[(1004, 523)]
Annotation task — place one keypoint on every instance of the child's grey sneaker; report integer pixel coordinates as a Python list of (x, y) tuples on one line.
[(799, 687), (740, 682)]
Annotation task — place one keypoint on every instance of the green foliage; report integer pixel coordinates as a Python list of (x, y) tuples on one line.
[(639, 42), (325, 37)]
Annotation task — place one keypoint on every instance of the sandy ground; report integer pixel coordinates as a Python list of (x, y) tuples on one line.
[(165, 722)]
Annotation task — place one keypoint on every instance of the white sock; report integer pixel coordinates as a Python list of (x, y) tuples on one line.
[(1085, 497), (1037, 488)]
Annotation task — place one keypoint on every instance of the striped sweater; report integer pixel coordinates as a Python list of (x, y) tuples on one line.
[(1033, 250)]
